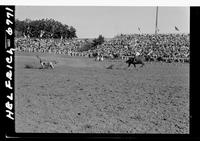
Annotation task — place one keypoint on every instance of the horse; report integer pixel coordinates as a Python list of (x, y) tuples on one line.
[(136, 60)]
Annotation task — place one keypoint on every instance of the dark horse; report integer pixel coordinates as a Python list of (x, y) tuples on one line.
[(136, 60)]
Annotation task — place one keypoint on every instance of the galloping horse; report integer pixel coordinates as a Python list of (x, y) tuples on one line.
[(136, 60)]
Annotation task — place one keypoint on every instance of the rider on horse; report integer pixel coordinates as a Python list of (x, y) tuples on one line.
[(137, 53)]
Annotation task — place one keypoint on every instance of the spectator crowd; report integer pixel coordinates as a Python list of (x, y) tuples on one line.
[(56, 46), (160, 45)]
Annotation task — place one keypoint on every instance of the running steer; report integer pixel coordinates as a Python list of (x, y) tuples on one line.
[(135, 60)]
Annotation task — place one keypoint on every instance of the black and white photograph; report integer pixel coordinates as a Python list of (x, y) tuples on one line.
[(102, 69), (92, 70)]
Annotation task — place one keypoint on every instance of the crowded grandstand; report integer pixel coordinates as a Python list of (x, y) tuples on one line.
[(171, 46)]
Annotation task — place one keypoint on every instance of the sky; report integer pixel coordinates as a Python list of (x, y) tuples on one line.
[(108, 21)]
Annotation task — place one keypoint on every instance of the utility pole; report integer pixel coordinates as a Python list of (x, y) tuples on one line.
[(156, 27)]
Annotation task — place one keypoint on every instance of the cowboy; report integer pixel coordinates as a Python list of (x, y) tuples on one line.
[(137, 53)]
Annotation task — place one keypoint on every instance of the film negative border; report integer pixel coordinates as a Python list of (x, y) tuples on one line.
[(7, 28)]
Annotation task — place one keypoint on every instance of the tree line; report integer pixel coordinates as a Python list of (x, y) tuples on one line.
[(44, 28), (91, 45)]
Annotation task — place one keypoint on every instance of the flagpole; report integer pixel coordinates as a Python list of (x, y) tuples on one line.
[(156, 26)]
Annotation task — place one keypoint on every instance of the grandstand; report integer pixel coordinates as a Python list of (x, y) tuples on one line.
[(168, 46)]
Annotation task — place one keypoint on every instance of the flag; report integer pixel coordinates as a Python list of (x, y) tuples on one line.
[(176, 28), (139, 29)]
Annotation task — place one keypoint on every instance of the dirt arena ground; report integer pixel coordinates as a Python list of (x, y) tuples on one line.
[(81, 96)]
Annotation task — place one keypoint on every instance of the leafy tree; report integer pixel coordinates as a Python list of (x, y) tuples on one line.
[(97, 41), (72, 32), (44, 28), (21, 27), (91, 45)]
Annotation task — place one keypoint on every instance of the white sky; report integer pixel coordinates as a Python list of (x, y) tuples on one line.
[(90, 21)]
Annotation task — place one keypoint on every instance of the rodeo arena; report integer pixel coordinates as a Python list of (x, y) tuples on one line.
[(131, 83)]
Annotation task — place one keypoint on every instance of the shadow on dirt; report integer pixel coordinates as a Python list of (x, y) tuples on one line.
[(29, 66)]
